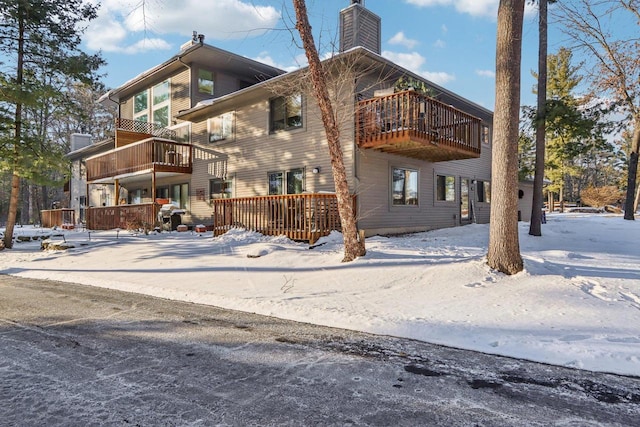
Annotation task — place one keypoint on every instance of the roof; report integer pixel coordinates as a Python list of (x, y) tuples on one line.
[(210, 107), (196, 53), (92, 149)]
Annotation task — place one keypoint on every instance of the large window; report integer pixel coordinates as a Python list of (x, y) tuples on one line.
[(286, 113), (161, 103), (180, 195), (445, 188), (141, 106), (222, 127), (205, 82), (404, 188), (221, 188), (483, 191), (292, 181)]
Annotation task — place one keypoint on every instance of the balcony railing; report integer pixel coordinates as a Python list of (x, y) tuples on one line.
[(150, 129), (413, 125), (144, 215), (148, 155), (297, 216)]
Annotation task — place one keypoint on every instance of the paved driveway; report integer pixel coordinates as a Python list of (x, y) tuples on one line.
[(76, 356)]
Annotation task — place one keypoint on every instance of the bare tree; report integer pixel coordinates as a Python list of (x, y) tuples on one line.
[(535, 227), (615, 62), (504, 248), (353, 247)]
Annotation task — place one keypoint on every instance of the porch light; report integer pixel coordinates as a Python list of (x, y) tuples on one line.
[(316, 170)]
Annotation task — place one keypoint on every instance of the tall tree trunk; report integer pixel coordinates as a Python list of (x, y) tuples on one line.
[(15, 180), (630, 205), (353, 248), (504, 247), (535, 228)]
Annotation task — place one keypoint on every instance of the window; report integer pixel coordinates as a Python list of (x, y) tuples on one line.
[(483, 190), (205, 82), (221, 188), (286, 113), (161, 103), (445, 188), (180, 195), (162, 193), (485, 134), (292, 181), (141, 106), (404, 188), (221, 127), (183, 132)]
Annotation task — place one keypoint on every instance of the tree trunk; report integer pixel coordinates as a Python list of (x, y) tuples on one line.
[(630, 204), (353, 248), (504, 247), (15, 180), (535, 228)]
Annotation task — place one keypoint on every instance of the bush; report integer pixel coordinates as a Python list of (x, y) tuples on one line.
[(601, 196)]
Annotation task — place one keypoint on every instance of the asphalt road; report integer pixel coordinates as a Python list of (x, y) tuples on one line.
[(77, 356)]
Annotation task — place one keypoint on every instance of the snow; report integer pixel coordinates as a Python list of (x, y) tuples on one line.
[(576, 304)]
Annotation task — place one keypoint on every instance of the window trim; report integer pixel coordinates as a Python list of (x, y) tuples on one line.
[(392, 169)]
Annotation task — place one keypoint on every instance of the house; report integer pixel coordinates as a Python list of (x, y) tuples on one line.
[(234, 142)]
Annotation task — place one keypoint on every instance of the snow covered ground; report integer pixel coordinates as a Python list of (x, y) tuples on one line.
[(576, 304)]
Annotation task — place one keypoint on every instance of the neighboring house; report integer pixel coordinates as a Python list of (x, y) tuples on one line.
[(234, 142)]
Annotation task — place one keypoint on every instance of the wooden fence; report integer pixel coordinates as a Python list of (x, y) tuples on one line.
[(297, 216), (143, 215)]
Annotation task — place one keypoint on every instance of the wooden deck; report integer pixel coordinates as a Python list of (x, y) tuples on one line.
[(152, 154), (412, 125), (297, 216)]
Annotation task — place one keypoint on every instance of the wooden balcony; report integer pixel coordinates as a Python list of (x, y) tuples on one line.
[(412, 125), (149, 155), (123, 216), (297, 216), (130, 131)]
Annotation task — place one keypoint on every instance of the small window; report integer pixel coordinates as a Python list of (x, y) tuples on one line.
[(220, 188), (483, 191), (205, 82), (404, 188), (445, 188), (286, 113), (221, 127), (292, 181), (485, 135), (183, 132)]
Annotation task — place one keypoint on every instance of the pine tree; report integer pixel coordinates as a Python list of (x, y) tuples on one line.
[(42, 38)]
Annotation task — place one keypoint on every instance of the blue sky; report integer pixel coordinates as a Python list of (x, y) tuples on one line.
[(450, 42)]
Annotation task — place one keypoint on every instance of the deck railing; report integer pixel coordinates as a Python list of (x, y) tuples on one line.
[(150, 154), (57, 217), (390, 121), (143, 215), (146, 128), (297, 216)]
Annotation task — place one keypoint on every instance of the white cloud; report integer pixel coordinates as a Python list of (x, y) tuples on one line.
[(265, 58), (488, 8), (402, 40), (486, 73), (414, 61), (123, 24), (439, 44)]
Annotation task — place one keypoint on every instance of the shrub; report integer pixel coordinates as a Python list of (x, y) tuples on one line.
[(601, 196)]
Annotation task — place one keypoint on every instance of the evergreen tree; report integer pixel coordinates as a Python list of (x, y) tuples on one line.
[(38, 38)]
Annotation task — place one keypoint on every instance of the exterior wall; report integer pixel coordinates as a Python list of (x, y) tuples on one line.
[(255, 152), (377, 215)]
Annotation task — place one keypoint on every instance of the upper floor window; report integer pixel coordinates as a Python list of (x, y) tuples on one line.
[(183, 132), (445, 188), (404, 188), (286, 112), (160, 106), (205, 82), (141, 106), (222, 127)]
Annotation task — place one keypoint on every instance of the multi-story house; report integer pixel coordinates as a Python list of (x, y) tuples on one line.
[(234, 142)]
